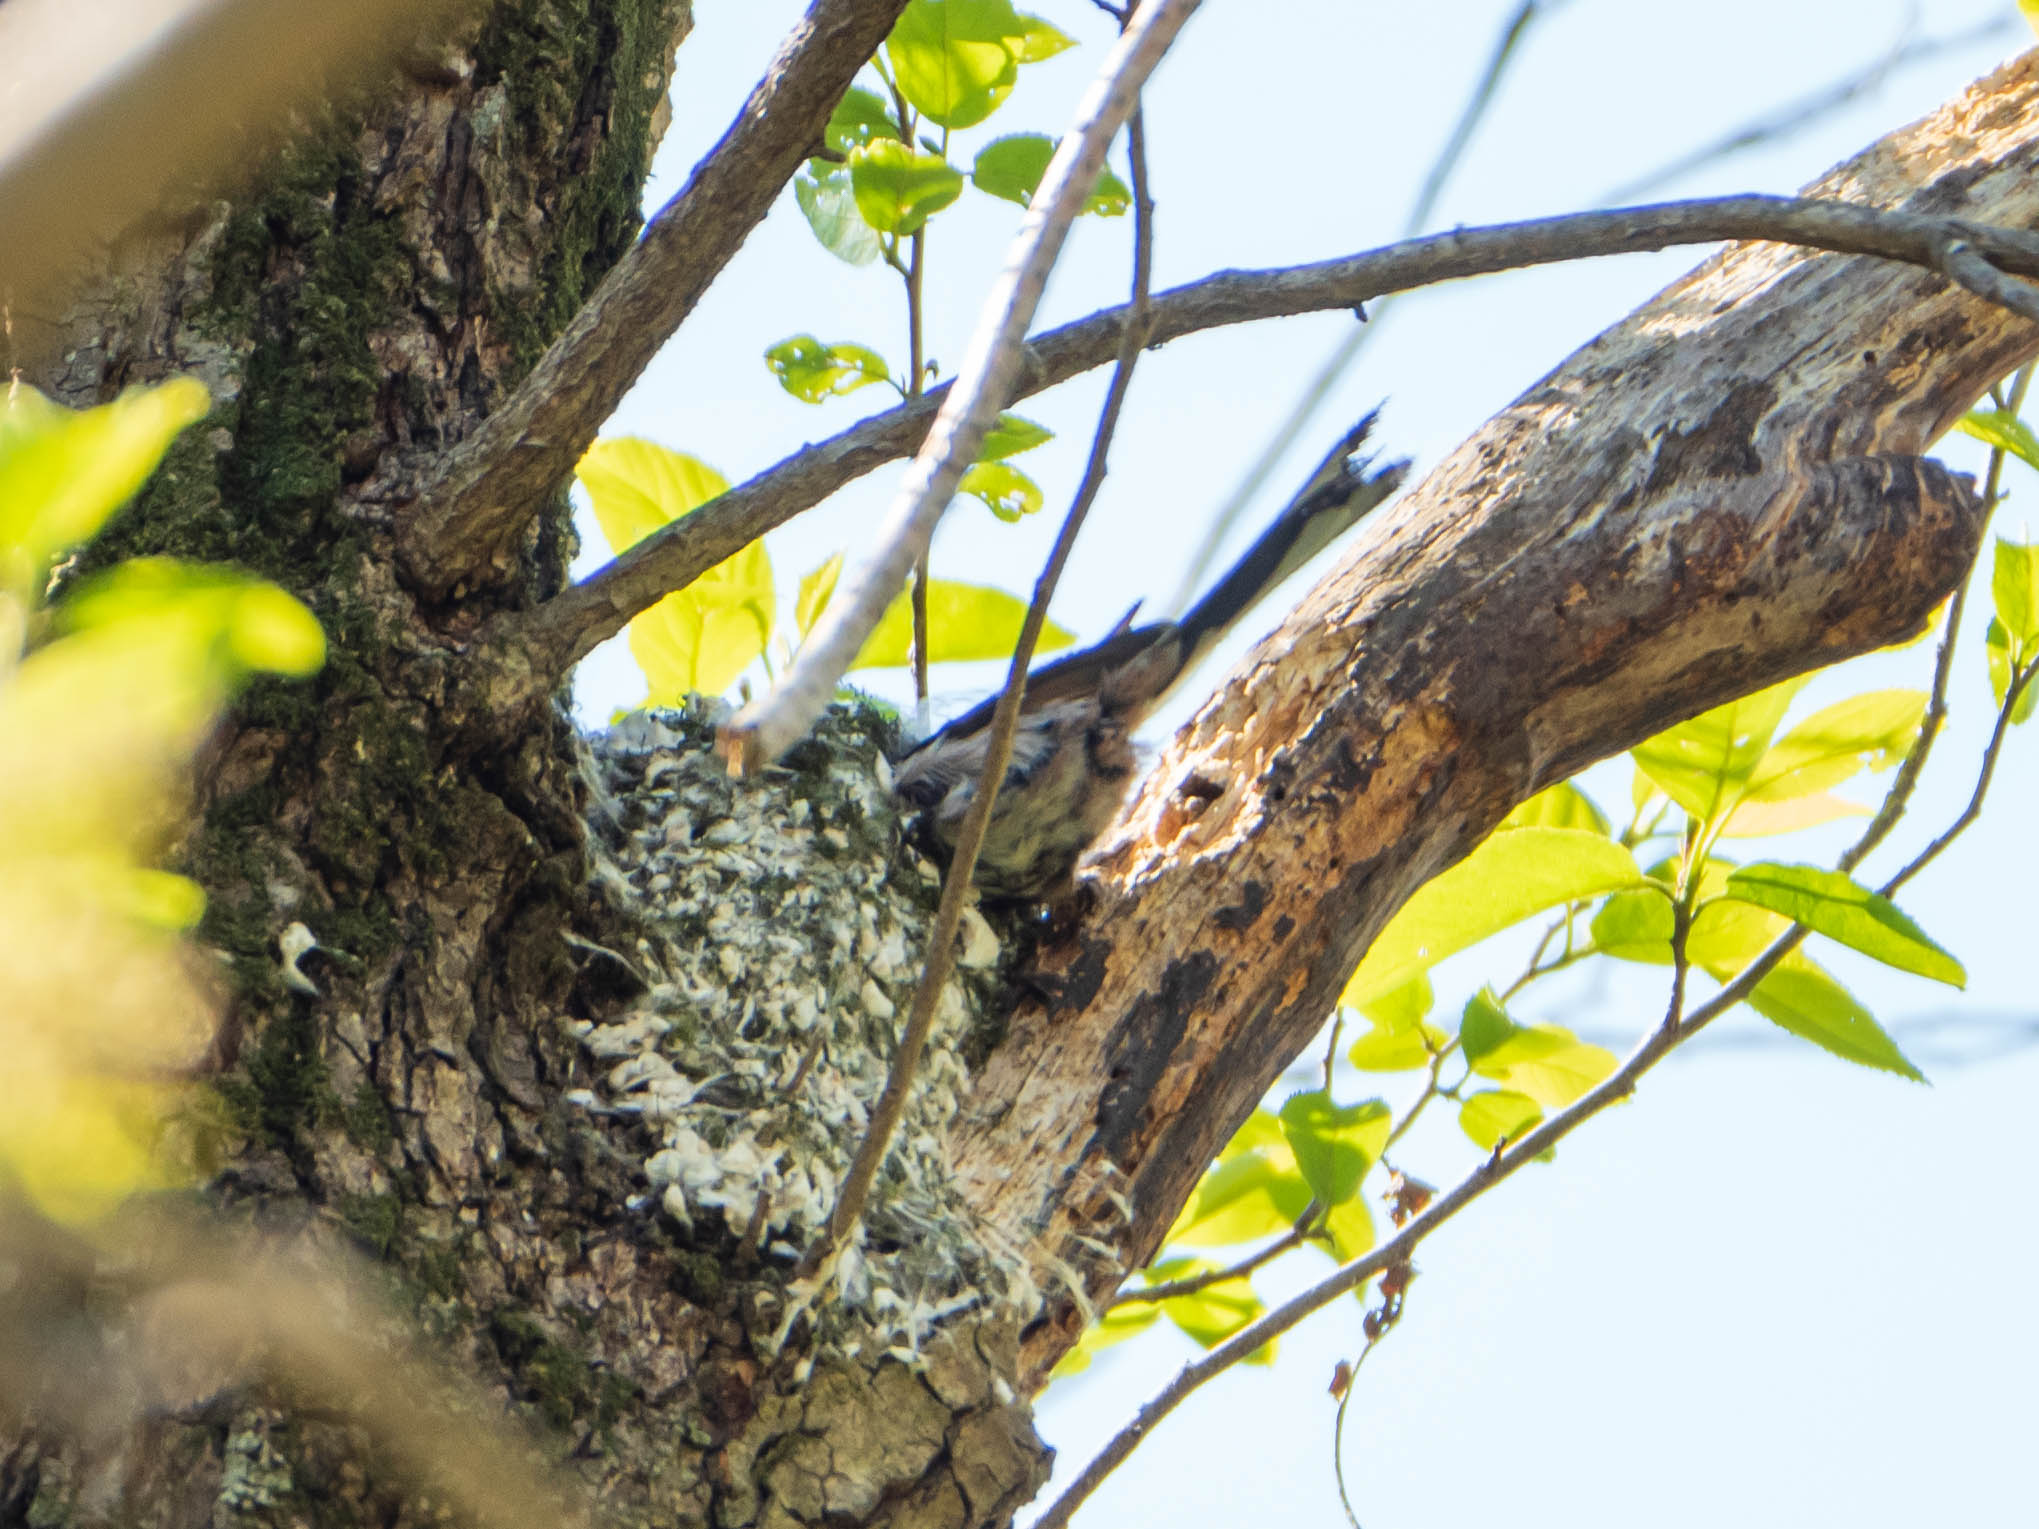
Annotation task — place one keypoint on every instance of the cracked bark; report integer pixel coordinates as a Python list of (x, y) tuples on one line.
[(1717, 493)]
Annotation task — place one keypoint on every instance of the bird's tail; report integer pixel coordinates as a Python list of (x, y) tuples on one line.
[(1344, 487)]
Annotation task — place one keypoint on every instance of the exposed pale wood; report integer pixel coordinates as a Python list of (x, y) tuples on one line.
[(1649, 530)]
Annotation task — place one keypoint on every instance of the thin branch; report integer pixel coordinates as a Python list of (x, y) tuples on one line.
[(464, 522), (1503, 1163), (530, 652), (891, 1104), (984, 380), (1507, 46), (1905, 52), (1168, 1290)]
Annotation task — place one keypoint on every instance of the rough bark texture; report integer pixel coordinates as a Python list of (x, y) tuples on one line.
[(522, 1050)]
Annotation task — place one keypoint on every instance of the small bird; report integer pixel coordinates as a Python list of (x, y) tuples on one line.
[(1073, 755)]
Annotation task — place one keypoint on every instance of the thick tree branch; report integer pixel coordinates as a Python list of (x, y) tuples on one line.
[(1717, 493), (534, 650), (486, 490)]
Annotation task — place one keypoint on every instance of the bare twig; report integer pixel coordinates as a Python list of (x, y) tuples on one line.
[(1168, 1290), (1507, 46), (1903, 53), (891, 1104), (486, 490), (990, 368), (530, 652), (1664, 1038)]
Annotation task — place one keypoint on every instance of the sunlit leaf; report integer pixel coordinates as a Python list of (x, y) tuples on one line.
[(2001, 428), (812, 371), (230, 623), (1833, 904), (1350, 1227), (1254, 1190), (965, 621), (898, 188), (1117, 1325), (956, 60), (1515, 874), (1214, 1313), (1039, 39), (1004, 490), (1761, 820), (1398, 1039), (1494, 1113), (1801, 998), (816, 590), (1543, 1062), (636, 486), (828, 200), (1561, 806), (64, 471), (2006, 661), (1704, 765), (1012, 434), (1011, 169), (859, 117), (1334, 1145), (1873, 731)]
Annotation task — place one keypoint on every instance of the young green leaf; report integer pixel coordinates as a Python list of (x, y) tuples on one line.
[(2001, 428), (228, 625), (1494, 1113), (2006, 658), (1515, 874), (897, 188), (63, 472), (1012, 434), (1561, 806), (828, 200), (1833, 904), (1801, 998), (817, 588), (1039, 40), (1011, 169), (1334, 1146), (1117, 1325), (1003, 489), (812, 371), (1399, 1040), (1350, 1228), (1872, 731), (1636, 926), (964, 621), (956, 60), (1214, 1313), (698, 640), (1762, 820), (1255, 1190), (2014, 589), (1546, 1063), (859, 117), (1704, 765)]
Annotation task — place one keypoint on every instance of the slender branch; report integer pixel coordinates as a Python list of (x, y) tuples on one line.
[(465, 521), (1672, 1032), (934, 976), (1796, 115), (1168, 1290), (530, 652), (1507, 46), (984, 380)]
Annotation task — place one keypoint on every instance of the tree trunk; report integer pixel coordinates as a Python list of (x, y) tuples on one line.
[(596, 1026)]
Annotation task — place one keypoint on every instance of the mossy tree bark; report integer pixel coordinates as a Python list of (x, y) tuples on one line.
[(445, 1103)]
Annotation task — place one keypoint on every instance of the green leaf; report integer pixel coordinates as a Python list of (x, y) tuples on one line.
[(63, 472), (697, 640), (812, 371), (1005, 491), (1493, 1113), (897, 188), (964, 622), (1704, 765), (1334, 1146), (1012, 434), (860, 117), (1011, 169), (1761, 820), (1636, 926), (1399, 1040), (1214, 1313), (1039, 39), (2001, 428), (1872, 731), (225, 622), (828, 200), (1799, 997), (1833, 904), (2014, 589), (816, 590), (1515, 874), (1117, 1325), (956, 60), (1561, 806), (1254, 1190), (2006, 660), (1350, 1228), (1545, 1063)]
